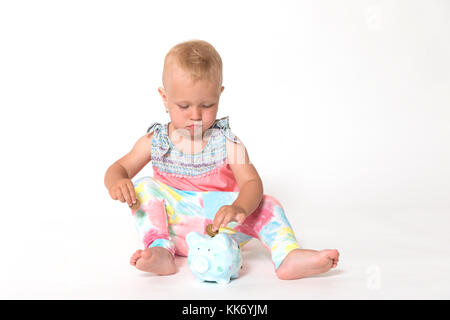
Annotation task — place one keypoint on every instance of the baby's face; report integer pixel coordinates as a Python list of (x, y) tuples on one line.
[(190, 103)]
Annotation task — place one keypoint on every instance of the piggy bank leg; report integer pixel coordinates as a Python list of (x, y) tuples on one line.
[(200, 279), (223, 281)]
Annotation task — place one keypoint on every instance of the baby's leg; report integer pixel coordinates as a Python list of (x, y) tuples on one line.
[(151, 223), (269, 223)]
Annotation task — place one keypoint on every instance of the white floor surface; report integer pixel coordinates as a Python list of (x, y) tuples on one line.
[(392, 257)]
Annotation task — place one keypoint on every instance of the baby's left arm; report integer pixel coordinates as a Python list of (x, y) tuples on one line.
[(250, 186)]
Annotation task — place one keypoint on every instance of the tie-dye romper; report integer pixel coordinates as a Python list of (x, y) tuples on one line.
[(187, 190)]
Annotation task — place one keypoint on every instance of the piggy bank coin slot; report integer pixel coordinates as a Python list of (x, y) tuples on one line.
[(210, 232)]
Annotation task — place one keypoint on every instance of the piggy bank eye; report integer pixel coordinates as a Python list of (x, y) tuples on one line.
[(198, 248), (209, 249)]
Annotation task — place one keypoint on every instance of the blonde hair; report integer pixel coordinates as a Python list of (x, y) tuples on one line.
[(196, 57)]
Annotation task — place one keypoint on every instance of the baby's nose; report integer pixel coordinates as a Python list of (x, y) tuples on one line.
[(196, 113)]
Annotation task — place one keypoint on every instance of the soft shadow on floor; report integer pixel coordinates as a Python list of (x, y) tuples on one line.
[(331, 273)]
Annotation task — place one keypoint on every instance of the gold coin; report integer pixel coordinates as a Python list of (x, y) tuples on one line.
[(135, 206), (209, 231)]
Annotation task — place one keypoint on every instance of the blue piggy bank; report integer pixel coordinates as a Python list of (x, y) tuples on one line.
[(215, 258)]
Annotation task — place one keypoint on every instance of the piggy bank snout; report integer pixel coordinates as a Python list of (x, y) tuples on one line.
[(200, 264)]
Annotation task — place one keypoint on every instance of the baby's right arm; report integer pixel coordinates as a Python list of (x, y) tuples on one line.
[(119, 174)]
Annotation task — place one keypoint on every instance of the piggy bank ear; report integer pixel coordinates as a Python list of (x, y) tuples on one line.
[(192, 238), (222, 240)]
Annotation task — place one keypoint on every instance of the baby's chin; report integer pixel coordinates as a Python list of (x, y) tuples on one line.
[(191, 133)]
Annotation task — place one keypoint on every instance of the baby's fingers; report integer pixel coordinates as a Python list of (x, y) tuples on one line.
[(227, 219), (126, 194), (132, 193), (119, 195), (218, 221), (240, 218), (112, 193)]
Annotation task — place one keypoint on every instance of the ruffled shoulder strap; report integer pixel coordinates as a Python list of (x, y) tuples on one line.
[(154, 126), (223, 124), (159, 141)]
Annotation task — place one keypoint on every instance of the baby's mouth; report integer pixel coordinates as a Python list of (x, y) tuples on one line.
[(196, 125)]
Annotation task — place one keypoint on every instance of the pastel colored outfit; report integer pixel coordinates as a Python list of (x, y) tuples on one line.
[(187, 190)]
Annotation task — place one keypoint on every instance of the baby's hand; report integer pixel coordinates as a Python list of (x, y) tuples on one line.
[(227, 214), (123, 190)]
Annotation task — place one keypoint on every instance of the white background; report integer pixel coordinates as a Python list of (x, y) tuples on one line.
[(343, 106)]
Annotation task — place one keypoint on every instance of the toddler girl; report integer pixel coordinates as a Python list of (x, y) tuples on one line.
[(201, 175)]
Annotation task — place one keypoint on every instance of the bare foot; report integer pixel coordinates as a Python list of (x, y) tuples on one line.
[(135, 257), (300, 263), (155, 260)]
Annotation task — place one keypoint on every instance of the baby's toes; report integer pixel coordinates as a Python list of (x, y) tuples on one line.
[(135, 257), (334, 254), (331, 255)]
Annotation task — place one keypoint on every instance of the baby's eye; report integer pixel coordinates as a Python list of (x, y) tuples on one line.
[(183, 107), (209, 106)]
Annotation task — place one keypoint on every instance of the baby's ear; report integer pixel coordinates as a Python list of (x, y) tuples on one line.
[(192, 238)]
